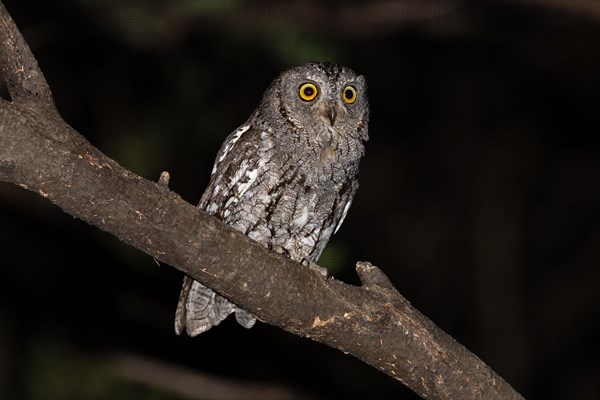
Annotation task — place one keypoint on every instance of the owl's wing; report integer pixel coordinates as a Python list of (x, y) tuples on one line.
[(199, 307), (235, 170)]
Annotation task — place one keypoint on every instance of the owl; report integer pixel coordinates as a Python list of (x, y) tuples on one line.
[(286, 177)]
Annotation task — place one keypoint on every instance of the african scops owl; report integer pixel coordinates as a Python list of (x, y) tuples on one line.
[(285, 178)]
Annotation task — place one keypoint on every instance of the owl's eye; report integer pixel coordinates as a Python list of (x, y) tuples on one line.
[(349, 94), (308, 91)]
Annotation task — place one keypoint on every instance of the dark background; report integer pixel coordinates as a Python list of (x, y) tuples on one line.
[(480, 190)]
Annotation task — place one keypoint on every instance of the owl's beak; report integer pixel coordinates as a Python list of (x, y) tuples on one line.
[(332, 115), (329, 112)]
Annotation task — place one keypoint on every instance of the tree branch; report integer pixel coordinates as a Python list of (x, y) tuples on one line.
[(19, 67), (42, 153)]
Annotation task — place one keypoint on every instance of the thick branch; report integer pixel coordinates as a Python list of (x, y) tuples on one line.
[(40, 152)]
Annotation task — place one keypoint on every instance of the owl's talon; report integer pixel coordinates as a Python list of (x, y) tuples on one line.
[(279, 250), (315, 267)]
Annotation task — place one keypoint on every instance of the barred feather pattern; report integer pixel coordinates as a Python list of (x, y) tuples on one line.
[(286, 178)]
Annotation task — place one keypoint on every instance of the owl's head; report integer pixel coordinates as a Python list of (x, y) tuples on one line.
[(324, 99)]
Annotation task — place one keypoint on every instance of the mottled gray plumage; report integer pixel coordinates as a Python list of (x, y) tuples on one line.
[(286, 177)]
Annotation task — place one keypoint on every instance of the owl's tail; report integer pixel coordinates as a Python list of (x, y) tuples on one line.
[(200, 308)]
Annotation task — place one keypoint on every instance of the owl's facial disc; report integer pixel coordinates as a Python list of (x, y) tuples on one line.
[(322, 100)]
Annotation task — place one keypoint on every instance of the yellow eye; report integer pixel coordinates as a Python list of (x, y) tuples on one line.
[(349, 94), (308, 91)]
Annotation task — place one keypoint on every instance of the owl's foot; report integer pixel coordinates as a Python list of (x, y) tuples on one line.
[(279, 250), (312, 265)]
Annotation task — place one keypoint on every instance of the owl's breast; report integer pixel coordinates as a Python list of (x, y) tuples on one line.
[(334, 165), (328, 155)]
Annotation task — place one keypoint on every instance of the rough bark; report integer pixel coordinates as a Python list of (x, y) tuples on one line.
[(42, 153)]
